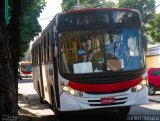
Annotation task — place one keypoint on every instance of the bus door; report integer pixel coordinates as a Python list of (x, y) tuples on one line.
[(44, 71), (55, 72), (41, 77)]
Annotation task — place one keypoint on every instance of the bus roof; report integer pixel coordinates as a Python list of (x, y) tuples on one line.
[(99, 9)]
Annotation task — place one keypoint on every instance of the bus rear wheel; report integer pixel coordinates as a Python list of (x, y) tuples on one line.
[(41, 100), (53, 99)]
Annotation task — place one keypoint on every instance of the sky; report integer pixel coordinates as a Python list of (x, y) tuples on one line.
[(51, 9), (158, 8), (54, 6)]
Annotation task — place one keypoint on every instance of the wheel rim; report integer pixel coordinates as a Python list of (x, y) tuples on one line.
[(151, 90)]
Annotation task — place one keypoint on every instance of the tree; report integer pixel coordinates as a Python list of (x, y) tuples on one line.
[(146, 7), (8, 34), (30, 27), (154, 28), (147, 10), (81, 4), (14, 39)]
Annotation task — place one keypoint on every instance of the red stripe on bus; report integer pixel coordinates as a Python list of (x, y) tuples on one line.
[(23, 72), (105, 87)]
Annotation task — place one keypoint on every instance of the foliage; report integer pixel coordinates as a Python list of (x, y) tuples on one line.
[(30, 27), (154, 28), (147, 10), (146, 7), (72, 4)]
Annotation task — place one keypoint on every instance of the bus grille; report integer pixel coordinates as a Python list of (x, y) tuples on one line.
[(99, 102), (99, 93)]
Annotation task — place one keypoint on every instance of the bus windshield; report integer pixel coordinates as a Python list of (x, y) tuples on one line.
[(100, 51), (100, 41), (26, 67)]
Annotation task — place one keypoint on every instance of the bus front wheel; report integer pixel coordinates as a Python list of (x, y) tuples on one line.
[(57, 113), (123, 112)]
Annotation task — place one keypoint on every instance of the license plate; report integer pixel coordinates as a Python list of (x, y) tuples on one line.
[(107, 100)]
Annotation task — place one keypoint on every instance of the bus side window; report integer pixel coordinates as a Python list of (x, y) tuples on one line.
[(37, 54), (42, 50), (45, 53), (48, 46)]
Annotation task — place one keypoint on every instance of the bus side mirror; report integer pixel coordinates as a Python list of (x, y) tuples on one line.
[(55, 51)]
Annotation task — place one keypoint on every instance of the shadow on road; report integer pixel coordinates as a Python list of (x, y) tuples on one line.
[(92, 116), (25, 80)]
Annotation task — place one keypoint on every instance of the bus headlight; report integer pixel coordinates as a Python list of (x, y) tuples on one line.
[(65, 88), (141, 85), (71, 91), (144, 82)]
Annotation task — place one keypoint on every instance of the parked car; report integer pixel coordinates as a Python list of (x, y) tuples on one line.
[(19, 75), (154, 80)]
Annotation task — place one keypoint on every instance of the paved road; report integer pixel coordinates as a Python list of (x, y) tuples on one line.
[(155, 98), (29, 104)]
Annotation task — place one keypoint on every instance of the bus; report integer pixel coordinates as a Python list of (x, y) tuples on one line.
[(25, 69), (91, 59)]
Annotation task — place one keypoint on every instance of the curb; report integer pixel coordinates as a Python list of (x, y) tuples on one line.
[(29, 99), (25, 113), (154, 101), (30, 103), (30, 108)]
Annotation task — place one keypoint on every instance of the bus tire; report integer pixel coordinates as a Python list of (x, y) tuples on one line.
[(123, 112), (53, 99), (59, 115), (41, 100)]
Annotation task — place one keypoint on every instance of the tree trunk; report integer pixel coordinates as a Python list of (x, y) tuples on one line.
[(8, 103), (9, 58)]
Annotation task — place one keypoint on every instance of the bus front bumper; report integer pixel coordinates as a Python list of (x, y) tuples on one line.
[(72, 103)]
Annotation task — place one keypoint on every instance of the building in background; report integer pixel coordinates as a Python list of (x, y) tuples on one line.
[(153, 56)]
